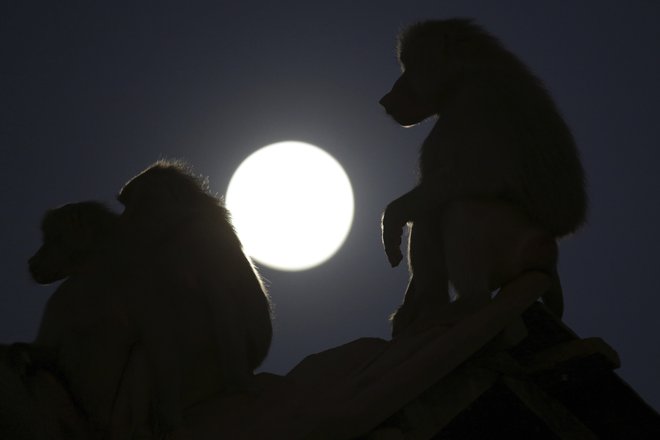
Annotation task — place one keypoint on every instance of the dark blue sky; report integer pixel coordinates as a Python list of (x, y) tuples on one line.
[(90, 95)]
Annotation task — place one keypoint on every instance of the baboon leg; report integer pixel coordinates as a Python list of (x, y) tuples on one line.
[(428, 290)]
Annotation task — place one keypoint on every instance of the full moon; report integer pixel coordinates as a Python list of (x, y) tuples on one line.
[(291, 204)]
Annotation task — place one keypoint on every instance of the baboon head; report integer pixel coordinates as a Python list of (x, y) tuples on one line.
[(164, 192), (71, 235), (435, 56)]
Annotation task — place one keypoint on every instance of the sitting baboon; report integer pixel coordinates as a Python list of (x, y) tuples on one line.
[(87, 334), (500, 175), (199, 277)]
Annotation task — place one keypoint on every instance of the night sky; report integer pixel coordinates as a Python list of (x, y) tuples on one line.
[(90, 95)]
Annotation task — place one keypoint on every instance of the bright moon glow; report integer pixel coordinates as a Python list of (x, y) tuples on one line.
[(291, 204)]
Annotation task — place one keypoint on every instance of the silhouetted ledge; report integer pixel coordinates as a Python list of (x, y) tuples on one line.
[(463, 382)]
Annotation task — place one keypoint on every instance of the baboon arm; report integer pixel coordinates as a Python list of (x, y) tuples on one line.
[(413, 204), (396, 215), (436, 192)]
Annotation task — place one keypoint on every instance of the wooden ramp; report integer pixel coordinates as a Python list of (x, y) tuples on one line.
[(461, 382)]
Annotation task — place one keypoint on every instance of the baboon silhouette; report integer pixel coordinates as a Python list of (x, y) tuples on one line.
[(500, 175), (212, 322)]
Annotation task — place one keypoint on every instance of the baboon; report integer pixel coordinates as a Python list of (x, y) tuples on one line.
[(199, 277), (87, 335), (500, 175)]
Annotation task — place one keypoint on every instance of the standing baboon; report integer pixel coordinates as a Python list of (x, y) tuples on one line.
[(199, 278), (500, 176)]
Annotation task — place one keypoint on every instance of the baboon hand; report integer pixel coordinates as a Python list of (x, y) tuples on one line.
[(392, 225)]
